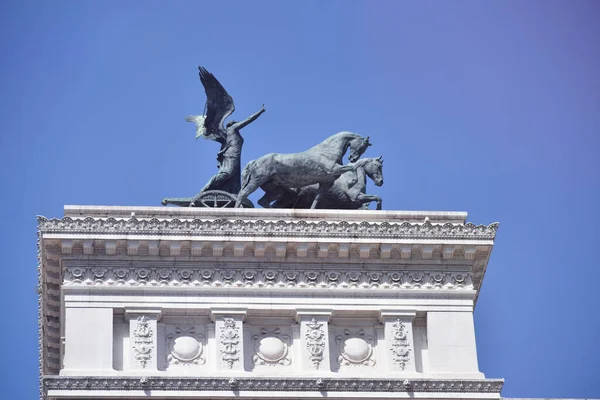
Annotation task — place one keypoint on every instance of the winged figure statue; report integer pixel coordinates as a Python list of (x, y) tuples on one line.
[(219, 106)]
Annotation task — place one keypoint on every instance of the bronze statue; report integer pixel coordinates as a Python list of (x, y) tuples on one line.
[(226, 184), (314, 178), (219, 106)]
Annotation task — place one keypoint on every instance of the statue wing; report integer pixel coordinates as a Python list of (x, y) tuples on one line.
[(219, 105)]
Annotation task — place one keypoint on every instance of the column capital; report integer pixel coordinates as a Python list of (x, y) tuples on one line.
[(134, 312), (308, 313), (232, 312), (395, 314)]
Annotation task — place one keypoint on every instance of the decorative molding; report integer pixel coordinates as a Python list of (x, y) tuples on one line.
[(66, 246), (280, 249), (364, 250), (315, 341), (271, 347), (322, 250), (196, 248), (217, 249), (230, 342), (385, 250), (259, 249), (88, 247), (238, 249), (470, 252), (448, 252), (133, 247), (260, 228), (185, 346), (161, 383), (343, 250), (266, 278), (174, 249), (356, 348), (153, 248), (143, 341), (426, 252), (302, 250), (110, 247), (400, 345), (405, 251)]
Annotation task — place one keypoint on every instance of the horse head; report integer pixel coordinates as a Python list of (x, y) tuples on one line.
[(358, 147), (374, 169)]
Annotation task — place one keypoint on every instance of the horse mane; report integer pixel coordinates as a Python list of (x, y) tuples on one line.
[(342, 133), (363, 161)]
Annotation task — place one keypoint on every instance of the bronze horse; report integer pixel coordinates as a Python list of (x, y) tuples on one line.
[(279, 174), (343, 194)]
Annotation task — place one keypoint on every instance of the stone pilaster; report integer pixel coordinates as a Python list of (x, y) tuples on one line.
[(143, 338), (314, 339), (229, 334), (88, 335), (399, 348)]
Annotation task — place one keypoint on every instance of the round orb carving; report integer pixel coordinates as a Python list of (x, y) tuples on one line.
[(271, 348), (186, 348), (356, 349)]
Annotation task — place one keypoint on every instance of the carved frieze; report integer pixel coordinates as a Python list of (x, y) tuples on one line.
[(266, 278)]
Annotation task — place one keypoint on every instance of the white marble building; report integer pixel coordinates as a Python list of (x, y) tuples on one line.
[(185, 303)]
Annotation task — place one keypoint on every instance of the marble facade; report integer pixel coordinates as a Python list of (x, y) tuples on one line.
[(140, 302)]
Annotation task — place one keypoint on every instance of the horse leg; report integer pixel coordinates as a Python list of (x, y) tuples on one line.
[(265, 201), (367, 198), (286, 199), (273, 193), (246, 191), (323, 188)]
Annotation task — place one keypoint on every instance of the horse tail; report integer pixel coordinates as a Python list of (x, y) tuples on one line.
[(246, 173)]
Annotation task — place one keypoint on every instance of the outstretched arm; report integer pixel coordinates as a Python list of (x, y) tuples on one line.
[(250, 119)]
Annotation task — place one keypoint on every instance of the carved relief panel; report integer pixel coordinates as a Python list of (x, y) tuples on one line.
[(271, 346), (143, 342), (399, 347), (143, 334), (185, 346), (230, 340), (354, 347), (401, 351)]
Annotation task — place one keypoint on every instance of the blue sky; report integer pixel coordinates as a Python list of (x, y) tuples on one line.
[(487, 107)]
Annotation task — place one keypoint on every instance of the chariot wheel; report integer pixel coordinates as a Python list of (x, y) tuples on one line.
[(211, 199), (218, 199)]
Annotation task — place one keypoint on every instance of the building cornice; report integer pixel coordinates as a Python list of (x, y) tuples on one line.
[(268, 229)]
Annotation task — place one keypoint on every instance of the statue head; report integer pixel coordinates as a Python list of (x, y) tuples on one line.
[(357, 150), (374, 170), (228, 124)]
